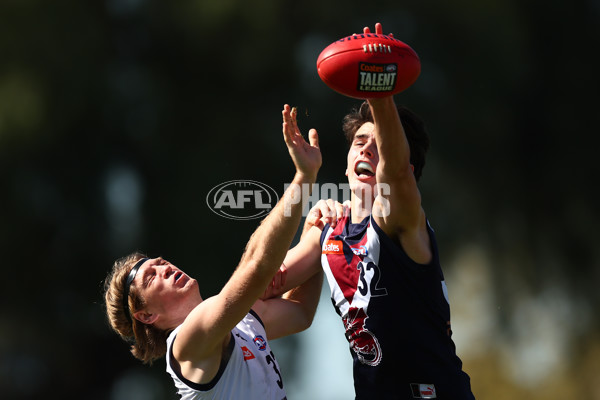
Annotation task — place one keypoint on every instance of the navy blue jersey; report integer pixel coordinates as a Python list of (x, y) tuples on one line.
[(396, 315)]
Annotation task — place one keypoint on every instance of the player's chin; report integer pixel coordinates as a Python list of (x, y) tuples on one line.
[(362, 183), (191, 282)]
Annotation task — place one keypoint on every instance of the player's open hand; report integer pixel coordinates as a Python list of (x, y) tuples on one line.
[(306, 156)]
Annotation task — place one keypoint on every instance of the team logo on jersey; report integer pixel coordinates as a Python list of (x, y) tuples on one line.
[(423, 391), (248, 355), (333, 247), (360, 251), (362, 341), (260, 342)]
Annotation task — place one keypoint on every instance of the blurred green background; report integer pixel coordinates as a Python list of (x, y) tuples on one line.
[(118, 116)]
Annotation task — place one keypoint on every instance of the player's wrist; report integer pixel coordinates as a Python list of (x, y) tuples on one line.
[(382, 102), (305, 176)]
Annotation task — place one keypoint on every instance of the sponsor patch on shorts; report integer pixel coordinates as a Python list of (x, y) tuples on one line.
[(423, 391)]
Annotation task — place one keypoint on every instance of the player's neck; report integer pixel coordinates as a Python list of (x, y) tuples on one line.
[(360, 208)]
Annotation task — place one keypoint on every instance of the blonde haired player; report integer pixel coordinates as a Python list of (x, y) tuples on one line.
[(217, 348)]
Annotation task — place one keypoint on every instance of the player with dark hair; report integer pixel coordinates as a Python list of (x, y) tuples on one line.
[(382, 263), (216, 348)]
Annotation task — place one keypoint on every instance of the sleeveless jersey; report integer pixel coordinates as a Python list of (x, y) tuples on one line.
[(248, 370), (396, 315)]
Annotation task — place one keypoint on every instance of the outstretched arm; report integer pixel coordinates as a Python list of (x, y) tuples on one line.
[(208, 325), (397, 208), (395, 178)]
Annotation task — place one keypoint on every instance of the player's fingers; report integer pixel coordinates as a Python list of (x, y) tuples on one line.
[(320, 213), (294, 118), (339, 210), (276, 281), (293, 114), (313, 138), (294, 123), (378, 29), (287, 133), (316, 210), (346, 205), (285, 112), (331, 213), (288, 125), (314, 218), (283, 275), (366, 30), (330, 206)]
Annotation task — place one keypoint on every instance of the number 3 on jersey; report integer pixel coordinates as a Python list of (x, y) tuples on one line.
[(271, 360), (372, 272)]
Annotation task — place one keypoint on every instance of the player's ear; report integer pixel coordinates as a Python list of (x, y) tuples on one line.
[(412, 167), (145, 317)]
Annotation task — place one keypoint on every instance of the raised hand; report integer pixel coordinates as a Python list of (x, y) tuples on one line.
[(306, 156)]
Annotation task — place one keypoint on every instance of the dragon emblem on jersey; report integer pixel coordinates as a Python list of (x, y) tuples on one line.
[(357, 278), (362, 341)]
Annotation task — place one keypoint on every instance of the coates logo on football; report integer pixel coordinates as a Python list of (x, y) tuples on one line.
[(377, 77), (242, 199)]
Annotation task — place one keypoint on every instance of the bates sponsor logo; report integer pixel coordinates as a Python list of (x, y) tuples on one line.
[(333, 247), (247, 354)]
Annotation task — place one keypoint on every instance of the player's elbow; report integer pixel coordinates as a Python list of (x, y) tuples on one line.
[(303, 317), (303, 321), (307, 316)]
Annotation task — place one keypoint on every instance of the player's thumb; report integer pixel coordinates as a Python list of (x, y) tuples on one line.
[(313, 138)]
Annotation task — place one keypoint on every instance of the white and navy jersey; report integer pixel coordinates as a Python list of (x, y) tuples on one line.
[(248, 368), (396, 315)]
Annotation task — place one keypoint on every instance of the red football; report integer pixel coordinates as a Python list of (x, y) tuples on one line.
[(368, 65)]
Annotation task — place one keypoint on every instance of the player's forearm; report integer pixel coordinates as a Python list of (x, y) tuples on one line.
[(269, 244), (301, 262), (306, 296), (394, 151)]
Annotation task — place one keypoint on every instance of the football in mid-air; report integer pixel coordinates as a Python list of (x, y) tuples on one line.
[(369, 65)]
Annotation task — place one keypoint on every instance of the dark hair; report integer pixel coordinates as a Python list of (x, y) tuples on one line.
[(148, 343), (416, 134)]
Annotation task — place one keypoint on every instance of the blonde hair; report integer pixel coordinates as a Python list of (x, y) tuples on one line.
[(148, 343)]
